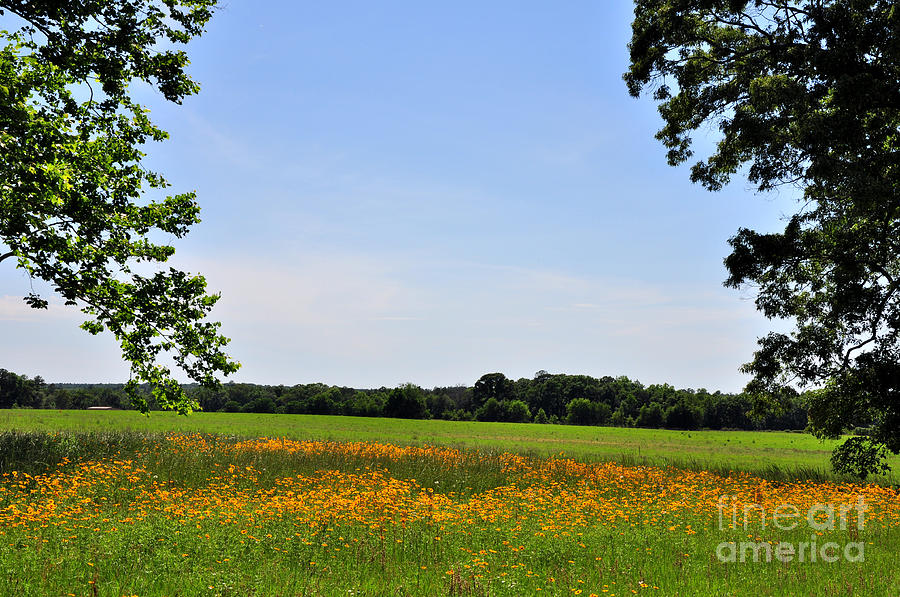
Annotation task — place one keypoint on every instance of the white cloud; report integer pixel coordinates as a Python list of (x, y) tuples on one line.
[(369, 319), (374, 319), (320, 290)]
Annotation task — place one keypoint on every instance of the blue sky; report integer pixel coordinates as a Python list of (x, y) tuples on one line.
[(406, 192)]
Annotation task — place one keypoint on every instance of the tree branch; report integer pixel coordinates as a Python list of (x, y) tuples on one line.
[(32, 21), (874, 330), (6, 255)]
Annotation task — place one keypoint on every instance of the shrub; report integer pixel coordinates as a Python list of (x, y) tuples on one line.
[(618, 418), (491, 411), (650, 415), (260, 405), (438, 404), (582, 411), (231, 407), (516, 411), (406, 402), (458, 415), (324, 403), (681, 416), (365, 405)]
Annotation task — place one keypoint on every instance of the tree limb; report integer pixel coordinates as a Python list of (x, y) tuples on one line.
[(32, 21)]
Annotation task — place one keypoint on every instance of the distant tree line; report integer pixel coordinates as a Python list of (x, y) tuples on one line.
[(545, 398)]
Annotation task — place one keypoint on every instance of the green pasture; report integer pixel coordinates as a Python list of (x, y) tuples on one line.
[(126, 513), (775, 455)]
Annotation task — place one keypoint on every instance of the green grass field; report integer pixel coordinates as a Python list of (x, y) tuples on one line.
[(113, 504), (773, 455)]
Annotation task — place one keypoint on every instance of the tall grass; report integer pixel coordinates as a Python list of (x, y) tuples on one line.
[(33, 452), (117, 513), (780, 456)]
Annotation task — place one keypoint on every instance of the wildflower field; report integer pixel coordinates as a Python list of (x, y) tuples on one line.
[(139, 513), (770, 454)]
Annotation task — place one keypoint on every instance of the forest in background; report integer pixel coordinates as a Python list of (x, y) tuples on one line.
[(545, 398)]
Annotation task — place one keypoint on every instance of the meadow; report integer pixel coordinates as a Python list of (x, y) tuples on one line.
[(773, 455), (107, 510)]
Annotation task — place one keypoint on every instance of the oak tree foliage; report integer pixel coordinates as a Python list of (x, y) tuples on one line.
[(73, 205), (803, 93)]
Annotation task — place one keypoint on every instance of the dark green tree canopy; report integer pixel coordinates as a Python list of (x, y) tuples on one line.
[(806, 94), (491, 385), (73, 210)]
